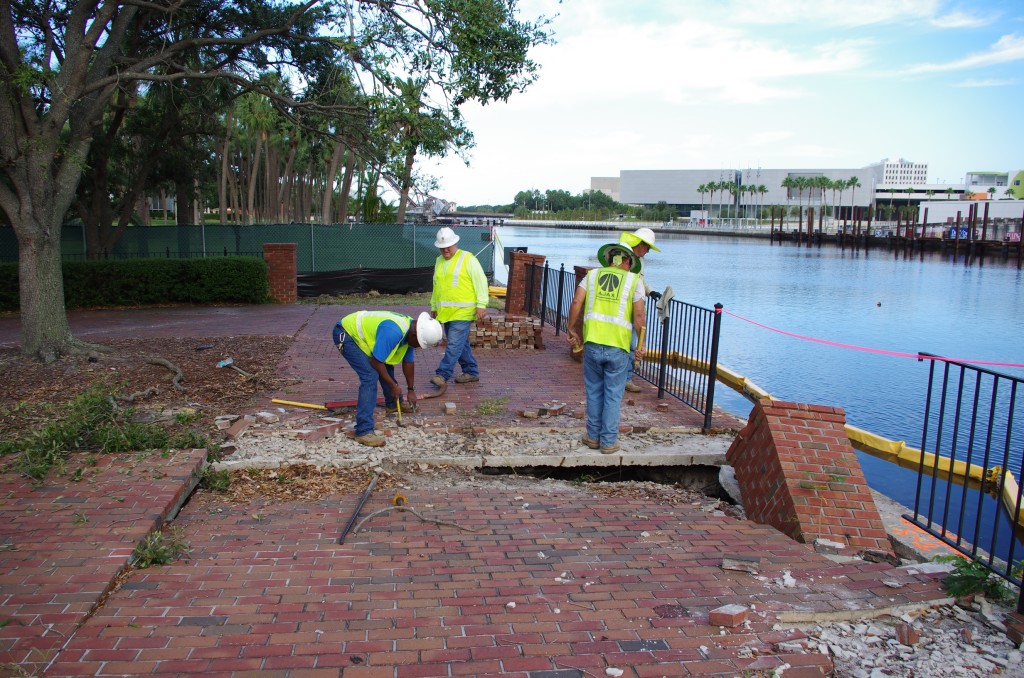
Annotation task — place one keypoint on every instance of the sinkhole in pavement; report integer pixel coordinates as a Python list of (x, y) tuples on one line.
[(700, 479)]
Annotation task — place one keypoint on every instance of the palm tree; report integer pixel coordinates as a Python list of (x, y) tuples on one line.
[(1009, 193), (789, 183), (949, 193), (854, 184), (991, 192), (702, 189), (761, 190)]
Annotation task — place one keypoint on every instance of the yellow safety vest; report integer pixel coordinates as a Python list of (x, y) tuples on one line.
[(457, 298), (608, 316), (361, 327)]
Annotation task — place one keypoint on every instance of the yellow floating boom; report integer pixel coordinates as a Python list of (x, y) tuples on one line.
[(895, 451)]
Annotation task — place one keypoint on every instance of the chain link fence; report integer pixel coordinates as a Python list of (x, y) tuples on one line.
[(321, 247)]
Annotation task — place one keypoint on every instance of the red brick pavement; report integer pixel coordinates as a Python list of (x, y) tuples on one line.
[(268, 590), (64, 542), (595, 582)]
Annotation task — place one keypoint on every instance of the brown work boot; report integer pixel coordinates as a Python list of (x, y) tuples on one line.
[(591, 443), (466, 378), (371, 440), (438, 381), (631, 387), (610, 450)]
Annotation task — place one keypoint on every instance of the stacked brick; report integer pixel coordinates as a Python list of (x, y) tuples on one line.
[(507, 332), (799, 473), (281, 271)]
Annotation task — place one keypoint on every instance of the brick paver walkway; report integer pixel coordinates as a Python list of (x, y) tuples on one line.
[(545, 580)]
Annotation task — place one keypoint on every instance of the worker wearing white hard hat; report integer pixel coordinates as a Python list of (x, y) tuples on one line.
[(641, 241), (459, 297), (373, 342)]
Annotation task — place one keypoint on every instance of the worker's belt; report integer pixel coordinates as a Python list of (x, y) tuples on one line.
[(339, 336)]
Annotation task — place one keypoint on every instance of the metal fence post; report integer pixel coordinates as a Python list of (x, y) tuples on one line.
[(713, 365), (561, 287), (663, 363), (544, 294)]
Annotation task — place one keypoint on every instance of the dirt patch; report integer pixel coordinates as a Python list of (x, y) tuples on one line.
[(34, 391)]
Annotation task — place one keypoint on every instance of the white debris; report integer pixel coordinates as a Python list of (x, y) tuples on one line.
[(510, 604), (613, 672)]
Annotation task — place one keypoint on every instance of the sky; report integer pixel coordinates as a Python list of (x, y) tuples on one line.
[(742, 84)]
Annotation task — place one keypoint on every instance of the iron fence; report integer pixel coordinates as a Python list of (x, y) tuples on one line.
[(682, 339), (321, 247), (972, 443)]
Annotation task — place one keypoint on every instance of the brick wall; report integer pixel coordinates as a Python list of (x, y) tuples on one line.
[(281, 271), (799, 473), (507, 331), (518, 283)]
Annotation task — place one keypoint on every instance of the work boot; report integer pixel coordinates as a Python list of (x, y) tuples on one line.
[(438, 381), (371, 440), (591, 443), (631, 387), (466, 378), (610, 450)]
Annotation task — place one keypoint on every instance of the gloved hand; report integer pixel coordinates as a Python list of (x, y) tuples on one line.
[(654, 295)]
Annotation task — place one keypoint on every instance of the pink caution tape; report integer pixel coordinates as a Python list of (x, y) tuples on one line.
[(880, 351)]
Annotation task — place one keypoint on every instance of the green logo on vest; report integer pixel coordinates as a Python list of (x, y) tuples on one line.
[(608, 284)]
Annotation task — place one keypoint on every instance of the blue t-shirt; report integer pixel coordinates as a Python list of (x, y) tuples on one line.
[(389, 336)]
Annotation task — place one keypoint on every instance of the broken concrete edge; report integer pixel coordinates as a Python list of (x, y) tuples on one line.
[(798, 617), (589, 459)]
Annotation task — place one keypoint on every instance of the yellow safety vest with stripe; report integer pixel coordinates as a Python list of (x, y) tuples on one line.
[(456, 296), (361, 327), (608, 314)]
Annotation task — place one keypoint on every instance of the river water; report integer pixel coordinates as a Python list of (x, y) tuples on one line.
[(972, 311)]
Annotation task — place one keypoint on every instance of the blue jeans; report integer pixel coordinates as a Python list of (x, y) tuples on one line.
[(605, 370), (368, 380), (458, 350)]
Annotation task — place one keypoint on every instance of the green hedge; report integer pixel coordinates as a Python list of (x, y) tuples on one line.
[(137, 282)]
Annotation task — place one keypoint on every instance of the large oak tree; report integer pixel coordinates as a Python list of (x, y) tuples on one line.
[(63, 61)]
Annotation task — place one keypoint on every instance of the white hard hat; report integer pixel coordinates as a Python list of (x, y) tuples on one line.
[(428, 330), (446, 237), (638, 236)]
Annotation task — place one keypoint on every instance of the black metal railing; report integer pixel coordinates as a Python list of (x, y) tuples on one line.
[(972, 441), (682, 339)]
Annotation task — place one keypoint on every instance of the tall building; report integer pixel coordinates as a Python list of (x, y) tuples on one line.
[(903, 173)]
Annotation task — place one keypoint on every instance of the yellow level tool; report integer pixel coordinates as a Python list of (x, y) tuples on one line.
[(294, 404)]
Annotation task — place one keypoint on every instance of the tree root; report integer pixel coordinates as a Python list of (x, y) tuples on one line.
[(152, 390), (172, 367), (413, 511)]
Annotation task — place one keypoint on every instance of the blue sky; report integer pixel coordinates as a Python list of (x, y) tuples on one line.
[(693, 84)]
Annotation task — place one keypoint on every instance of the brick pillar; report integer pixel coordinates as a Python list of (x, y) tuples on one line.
[(281, 273), (518, 285), (799, 473)]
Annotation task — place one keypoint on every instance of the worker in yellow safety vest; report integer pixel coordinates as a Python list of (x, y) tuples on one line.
[(459, 297), (610, 303), (641, 241), (373, 342)]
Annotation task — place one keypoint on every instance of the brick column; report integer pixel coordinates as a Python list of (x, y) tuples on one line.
[(518, 285), (281, 273), (799, 473)]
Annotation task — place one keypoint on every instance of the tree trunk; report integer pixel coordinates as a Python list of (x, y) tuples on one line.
[(406, 185), (222, 185), (253, 175), (346, 186), (327, 198)]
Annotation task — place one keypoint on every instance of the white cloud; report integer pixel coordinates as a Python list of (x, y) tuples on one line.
[(992, 82), (833, 13), (961, 20), (1008, 48)]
